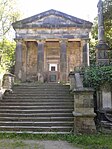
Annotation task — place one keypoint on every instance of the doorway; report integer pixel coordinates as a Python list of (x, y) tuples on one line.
[(53, 72)]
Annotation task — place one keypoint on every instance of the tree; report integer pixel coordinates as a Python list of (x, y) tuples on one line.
[(107, 11), (8, 59), (8, 15)]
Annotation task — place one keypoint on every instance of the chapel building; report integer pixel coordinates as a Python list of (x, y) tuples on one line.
[(50, 45)]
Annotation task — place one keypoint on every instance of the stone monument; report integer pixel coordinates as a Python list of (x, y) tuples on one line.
[(102, 47)]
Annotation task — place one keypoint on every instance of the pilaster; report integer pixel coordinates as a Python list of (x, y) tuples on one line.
[(18, 57)]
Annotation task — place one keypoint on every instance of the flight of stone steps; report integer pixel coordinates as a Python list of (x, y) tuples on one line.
[(37, 108)]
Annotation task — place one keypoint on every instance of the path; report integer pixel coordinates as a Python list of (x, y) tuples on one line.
[(33, 144)]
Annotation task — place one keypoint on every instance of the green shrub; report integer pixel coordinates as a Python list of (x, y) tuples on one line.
[(95, 76)]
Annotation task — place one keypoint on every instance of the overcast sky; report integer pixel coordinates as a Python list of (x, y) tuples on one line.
[(84, 9)]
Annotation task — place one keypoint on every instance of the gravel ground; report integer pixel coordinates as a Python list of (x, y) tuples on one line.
[(33, 144)]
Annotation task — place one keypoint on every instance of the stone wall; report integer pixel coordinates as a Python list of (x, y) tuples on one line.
[(74, 54), (31, 59)]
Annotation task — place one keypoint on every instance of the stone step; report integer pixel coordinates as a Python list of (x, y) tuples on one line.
[(39, 95), (37, 128), (45, 85), (106, 124), (35, 110), (106, 127), (37, 107), (35, 123), (37, 100), (40, 92), (36, 103), (32, 108), (41, 89), (48, 114), (36, 119)]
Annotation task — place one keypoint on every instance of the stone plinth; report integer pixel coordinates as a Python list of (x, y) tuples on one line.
[(8, 81), (102, 54), (84, 111)]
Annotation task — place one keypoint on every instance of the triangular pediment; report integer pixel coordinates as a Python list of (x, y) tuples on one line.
[(50, 19)]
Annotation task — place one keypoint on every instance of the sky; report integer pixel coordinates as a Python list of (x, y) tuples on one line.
[(84, 9)]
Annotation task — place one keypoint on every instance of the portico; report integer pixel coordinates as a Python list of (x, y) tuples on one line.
[(50, 45)]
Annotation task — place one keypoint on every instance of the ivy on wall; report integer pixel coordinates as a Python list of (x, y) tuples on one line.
[(95, 76)]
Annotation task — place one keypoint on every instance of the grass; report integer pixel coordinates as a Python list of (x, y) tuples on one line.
[(97, 141)]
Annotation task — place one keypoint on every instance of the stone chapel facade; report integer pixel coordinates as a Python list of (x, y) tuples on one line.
[(49, 45)]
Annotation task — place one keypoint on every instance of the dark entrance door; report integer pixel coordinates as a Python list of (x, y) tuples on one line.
[(53, 72)]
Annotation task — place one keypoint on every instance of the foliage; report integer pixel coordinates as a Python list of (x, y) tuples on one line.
[(93, 42), (96, 141), (107, 12), (94, 31), (7, 16), (7, 55), (92, 52), (95, 76)]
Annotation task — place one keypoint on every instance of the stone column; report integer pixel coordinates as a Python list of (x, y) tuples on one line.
[(102, 47), (86, 53), (100, 22), (18, 57), (40, 61), (24, 62), (84, 111), (63, 61)]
